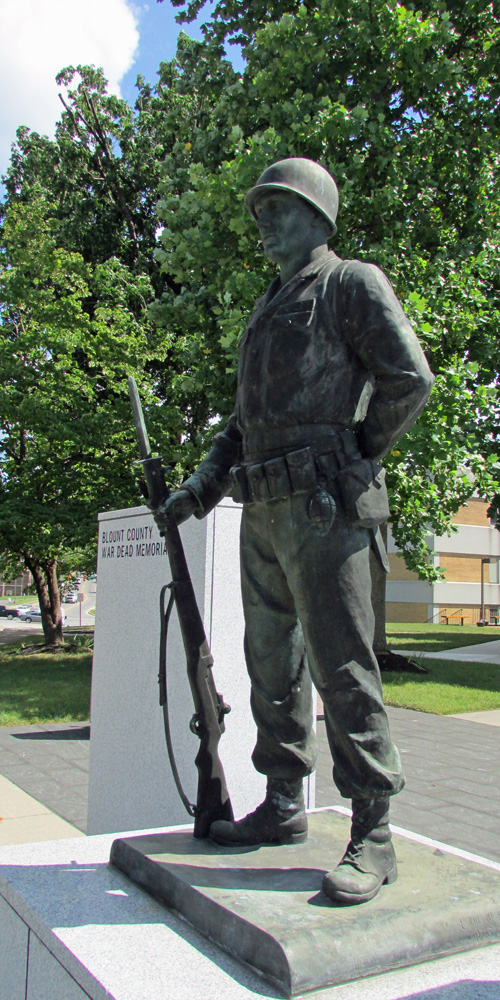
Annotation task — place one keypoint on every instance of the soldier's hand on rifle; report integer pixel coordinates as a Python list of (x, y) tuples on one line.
[(176, 509)]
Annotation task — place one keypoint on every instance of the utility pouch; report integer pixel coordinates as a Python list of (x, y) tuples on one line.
[(301, 469), (278, 482), (275, 479), (239, 484), (257, 483), (363, 493)]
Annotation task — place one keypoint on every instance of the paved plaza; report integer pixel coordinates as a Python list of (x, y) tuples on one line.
[(452, 768)]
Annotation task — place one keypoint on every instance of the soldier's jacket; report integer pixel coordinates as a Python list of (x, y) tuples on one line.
[(332, 346)]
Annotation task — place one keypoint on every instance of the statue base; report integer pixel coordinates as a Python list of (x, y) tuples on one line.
[(264, 906)]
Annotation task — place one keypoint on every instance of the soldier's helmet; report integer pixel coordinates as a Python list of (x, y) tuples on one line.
[(303, 177)]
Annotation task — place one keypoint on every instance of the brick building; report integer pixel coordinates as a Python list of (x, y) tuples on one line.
[(470, 559), (16, 588)]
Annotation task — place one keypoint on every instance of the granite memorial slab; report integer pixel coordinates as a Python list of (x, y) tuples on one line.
[(130, 779)]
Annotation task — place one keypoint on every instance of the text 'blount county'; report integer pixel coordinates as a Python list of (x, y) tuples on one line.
[(127, 543)]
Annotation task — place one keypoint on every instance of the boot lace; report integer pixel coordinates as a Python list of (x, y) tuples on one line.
[(354, 854)]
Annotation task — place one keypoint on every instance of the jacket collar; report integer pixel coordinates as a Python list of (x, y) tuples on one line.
[(277, 293)]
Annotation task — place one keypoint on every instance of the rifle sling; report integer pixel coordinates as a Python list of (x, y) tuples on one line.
[(162, 680)]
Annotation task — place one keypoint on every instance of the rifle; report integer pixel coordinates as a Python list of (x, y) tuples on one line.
[(207, 723)]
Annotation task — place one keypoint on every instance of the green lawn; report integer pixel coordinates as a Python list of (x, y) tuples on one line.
[(450, 687), (435, 638), (44, 687), (16, 601)]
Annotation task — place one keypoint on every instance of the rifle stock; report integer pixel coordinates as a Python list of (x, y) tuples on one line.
[(207, 723)]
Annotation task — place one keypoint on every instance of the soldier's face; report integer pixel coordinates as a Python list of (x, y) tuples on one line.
[(286, 224)]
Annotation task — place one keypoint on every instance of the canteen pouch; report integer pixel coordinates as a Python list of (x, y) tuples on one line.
[(363, 493)]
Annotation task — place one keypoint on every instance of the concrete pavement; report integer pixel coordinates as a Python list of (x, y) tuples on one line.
[(491, 718), (452, 767), (482, 652), (44, 781), (25, 820)]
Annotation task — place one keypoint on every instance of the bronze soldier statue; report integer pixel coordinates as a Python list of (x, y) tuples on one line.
[(330, 376)]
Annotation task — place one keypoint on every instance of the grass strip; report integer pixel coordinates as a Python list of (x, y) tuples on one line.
[(450, 687), (44, 688), (436, 638), (55, 687)]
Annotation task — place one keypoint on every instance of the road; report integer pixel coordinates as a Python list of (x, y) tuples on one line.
[(72, 611), (71, 615)]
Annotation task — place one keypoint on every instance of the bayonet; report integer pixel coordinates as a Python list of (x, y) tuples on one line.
[(140, 423)]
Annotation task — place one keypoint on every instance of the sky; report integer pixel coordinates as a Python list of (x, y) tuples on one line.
[(38, 38)]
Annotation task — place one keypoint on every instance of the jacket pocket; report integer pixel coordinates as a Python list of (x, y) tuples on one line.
[(290, 334), (295, 314), (363, 493)]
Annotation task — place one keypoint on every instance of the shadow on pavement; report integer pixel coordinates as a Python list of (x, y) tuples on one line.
[(83, 733), (465, 989)]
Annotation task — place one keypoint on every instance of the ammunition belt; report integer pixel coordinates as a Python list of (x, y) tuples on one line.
[(295, 471)]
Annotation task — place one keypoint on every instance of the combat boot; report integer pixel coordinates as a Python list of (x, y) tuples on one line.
[(280, 819), (369, 861)]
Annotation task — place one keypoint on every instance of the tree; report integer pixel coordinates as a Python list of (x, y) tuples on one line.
[(77, 274), (64, 450), (401, 103)]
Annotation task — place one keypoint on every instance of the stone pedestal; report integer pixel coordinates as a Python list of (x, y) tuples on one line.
[(265, 906), (130, 782), (72, 927)]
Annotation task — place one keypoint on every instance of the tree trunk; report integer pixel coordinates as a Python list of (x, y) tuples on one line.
[(50, 567), (45, 580)]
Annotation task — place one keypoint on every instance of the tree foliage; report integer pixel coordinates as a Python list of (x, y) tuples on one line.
[(401, 103), (63, 451), (77, 275)]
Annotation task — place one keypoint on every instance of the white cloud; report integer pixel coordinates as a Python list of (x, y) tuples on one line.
[(37, 39)]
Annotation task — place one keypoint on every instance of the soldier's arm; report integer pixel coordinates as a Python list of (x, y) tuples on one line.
[(382, 337), (201, 492), (210, 482)]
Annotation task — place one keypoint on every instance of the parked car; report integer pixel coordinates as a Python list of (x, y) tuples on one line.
[(31, 616), (24, 607), (6, 612)]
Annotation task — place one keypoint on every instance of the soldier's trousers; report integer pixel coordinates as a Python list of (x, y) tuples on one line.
[(307, 592)]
